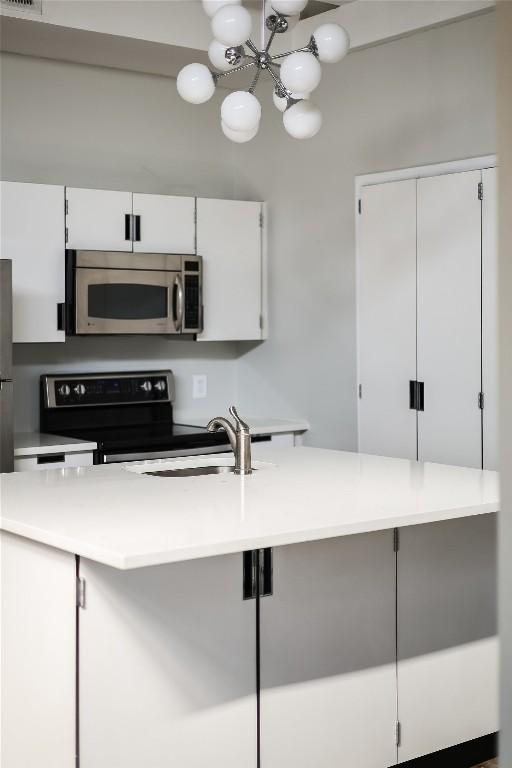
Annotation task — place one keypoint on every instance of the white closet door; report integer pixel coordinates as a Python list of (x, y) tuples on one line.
[(166, 224), (490, 318), (387, 318), (96, 219), (32, 236), (449, 318), (229, 238)]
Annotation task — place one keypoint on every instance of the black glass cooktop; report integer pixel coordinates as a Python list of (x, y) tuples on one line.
[(148, 437)]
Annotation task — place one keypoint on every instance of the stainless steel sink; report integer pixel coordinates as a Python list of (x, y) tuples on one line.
[(193, 471)]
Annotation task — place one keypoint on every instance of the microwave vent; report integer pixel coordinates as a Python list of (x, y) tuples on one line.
[(27, 6)]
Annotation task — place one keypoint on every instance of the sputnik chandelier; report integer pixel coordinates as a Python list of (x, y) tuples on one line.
[(293, 79)]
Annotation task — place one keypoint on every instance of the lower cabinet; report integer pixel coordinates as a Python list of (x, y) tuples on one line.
[(53, 461), (167, 667), (176, 668), (365, 655), (447, 671), (328, 675)]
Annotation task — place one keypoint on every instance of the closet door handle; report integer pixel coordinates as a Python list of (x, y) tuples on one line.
[(413, 395), (137, 228), (417, 395), (421, 396)]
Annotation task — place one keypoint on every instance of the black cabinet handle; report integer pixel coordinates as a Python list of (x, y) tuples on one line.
[(137, 228), (61, 317), (128, 226)]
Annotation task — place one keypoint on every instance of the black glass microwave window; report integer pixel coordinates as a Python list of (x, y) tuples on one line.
[(127, 301)]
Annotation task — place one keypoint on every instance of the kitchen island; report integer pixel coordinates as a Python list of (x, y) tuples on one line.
[(366, 590)]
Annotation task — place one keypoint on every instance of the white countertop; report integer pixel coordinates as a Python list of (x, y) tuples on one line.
[(37, 444), (258, 425), (128, 520)]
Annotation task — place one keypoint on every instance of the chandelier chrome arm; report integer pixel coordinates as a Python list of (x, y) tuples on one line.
[(217, 75), (309, 48), (255, 81), (253, 48), (280, 87)]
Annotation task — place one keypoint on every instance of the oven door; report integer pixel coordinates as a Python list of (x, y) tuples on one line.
[(132, 301)]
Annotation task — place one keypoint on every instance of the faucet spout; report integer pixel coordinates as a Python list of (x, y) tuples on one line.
[(221, 423), (239, 438)]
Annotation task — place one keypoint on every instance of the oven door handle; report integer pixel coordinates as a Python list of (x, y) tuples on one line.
[(177, 302)]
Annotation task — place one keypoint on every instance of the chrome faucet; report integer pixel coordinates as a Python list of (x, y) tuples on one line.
[(239, 438)]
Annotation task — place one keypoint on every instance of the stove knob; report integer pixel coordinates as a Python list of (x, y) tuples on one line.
[(146, 386), (160, 385), (79, 389), (64, 390)]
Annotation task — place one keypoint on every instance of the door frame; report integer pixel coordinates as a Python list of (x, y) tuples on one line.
[(478, 163)]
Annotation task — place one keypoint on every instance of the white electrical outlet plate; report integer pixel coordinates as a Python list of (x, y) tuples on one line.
[(199, 386)]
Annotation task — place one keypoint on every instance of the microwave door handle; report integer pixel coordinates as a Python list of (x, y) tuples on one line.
[(178, 302)]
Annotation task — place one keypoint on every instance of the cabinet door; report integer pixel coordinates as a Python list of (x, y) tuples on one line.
[(490, 319), (229, 238), (166, 224), (449, 318), (167, 667), (32, 236), (387, 318), (96, 219), (37, 663), (328, 671), (447, 644)]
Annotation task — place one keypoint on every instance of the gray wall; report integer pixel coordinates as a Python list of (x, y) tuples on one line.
[(425, 98), (87, 126), (505, 283)]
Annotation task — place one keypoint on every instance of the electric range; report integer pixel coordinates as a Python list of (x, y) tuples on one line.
[(129, 415)]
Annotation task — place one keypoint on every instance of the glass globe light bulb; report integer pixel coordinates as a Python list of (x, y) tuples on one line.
[(301, 72), (241, 111), (332, 42), (217, 56), (195, 83), (231, 25), (288, 7), (281, 102), (212, 6), (302, 120), (240, 137)]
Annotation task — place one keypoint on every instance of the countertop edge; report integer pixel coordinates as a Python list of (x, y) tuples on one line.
[(123, 562)]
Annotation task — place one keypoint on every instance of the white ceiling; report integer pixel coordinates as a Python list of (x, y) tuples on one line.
[(161, 36)]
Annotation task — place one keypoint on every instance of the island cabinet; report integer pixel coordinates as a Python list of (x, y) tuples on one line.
[(167, 666), (364, 650), (328, 674), (447, 646)]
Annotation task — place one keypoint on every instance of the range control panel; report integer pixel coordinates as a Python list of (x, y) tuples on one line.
[(107, 389)]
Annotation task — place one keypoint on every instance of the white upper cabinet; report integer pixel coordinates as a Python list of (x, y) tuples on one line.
[(32, 236), (230, 240), (387, 318), (163, 224), (98, 219), (490, 318), (449, 321)]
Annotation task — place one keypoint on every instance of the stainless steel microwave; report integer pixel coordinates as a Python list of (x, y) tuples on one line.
[(111, 292)]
